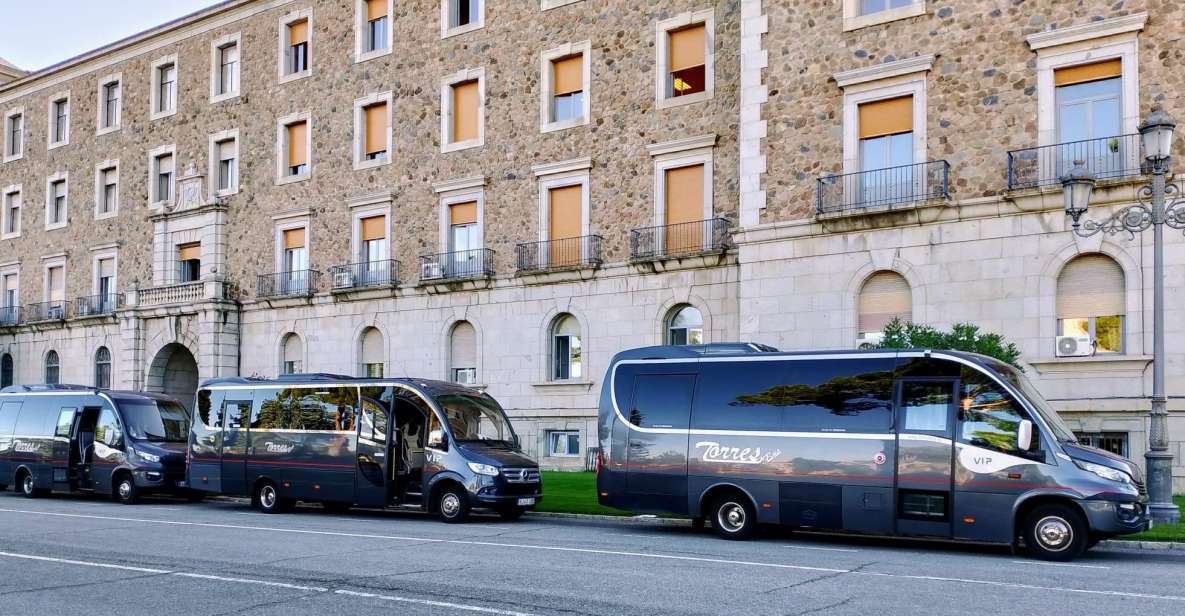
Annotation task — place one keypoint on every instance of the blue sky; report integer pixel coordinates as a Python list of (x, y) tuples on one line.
[(37, 33)]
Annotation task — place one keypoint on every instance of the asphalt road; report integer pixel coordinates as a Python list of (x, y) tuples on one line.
[(67, 555)]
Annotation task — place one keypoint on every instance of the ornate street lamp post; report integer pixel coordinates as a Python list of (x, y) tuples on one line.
[(1156, 138)]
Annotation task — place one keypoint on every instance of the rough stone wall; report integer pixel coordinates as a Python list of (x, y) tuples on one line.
[(982, 90)]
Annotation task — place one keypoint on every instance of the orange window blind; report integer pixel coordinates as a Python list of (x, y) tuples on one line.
[(465, 111), (294, 238), (687, 47), (463, 213), (374, 228), (189, 252), (298, 32), (888, 117), (1088, 72), (375, 9), (376, 128), (297, 147), (568, 75)]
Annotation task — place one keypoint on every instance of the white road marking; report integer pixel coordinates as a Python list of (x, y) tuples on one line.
[(66, 561), (219, 578), (455, 606), (811, 547), (642, 555), (1045, 564)]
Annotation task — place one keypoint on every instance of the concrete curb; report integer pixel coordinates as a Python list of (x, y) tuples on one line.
[(1123, 544)]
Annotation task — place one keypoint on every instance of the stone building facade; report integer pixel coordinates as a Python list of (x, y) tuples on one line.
[(726, 156)]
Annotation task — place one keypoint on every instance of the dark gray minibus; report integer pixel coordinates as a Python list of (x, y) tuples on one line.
[(342, 441), (914, 442), (73, 438)]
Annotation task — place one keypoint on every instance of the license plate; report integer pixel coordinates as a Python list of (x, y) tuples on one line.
[(523, 502)]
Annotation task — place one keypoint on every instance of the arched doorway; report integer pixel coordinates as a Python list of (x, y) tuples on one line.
[(174, 371)]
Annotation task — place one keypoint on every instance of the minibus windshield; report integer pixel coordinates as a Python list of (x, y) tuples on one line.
[(1061, 431), (156, 421), (475, 418)]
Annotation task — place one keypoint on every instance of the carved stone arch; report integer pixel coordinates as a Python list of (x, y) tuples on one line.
[(855, 284), (1133, 283), (667, 310), (173, 370), (278, 362), (547, 325), (450, 324), (356, 342)]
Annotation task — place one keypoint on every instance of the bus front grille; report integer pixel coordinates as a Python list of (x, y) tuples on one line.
[(521, 475)]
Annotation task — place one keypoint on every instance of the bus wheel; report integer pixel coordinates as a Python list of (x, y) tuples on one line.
[(125, 489), (268, 499), (733, 517), (453, 505), (511, 513), (28, 485), (1055, 532)]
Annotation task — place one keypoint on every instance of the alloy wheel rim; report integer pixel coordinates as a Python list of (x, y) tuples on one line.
[(1054, 533), (732, 517), (27, 484), (125, 489), (450, 505), (267, 496)]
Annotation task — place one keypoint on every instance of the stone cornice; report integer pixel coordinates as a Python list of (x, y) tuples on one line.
[(563, 166), (374, 198), (886, 70), (682, 145), (1090, 30), (475, 181)]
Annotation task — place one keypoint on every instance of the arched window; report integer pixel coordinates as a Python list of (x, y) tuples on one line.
[(52, 368), (463, 353), (567, 351), (373, 358), (885, 296), (686, 326), (6, 370), (1090, 301), (292, 355), (103, 368)]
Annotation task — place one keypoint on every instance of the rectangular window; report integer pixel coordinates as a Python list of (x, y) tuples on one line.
[(109, 113), (294, 261), (108, 199), (12, 214), (465, 111), (11, 297), (59, 112), (1114, 442), (463, 13), (105, 279), (463, 235), (376, 25), (567, 89), (465, 376), (687, 61), (55, 281), (684, 209), (377, 132), (56, 213), (227, 176), (189, 262), (14, 135), (568, 356), (374, 240), (565, 221), (162, 188), (563, 443), (166, 95), (662, 400), (297, 144), (228, 69), (868, 7), (1089, 107), (298, 47), (886, 133)]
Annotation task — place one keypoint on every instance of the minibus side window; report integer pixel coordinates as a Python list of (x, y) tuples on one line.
[(209, 414), (323, 410), (662, 400), (8, 414), (107, 429), (65, 421), (990, 418)]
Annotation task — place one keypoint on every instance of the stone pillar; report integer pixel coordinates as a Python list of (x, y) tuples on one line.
[(131, 369)]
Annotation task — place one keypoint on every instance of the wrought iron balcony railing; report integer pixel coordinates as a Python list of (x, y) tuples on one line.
[(96, 305), (297, 283), (907, 184), (569, 253), (47, 311), (10, 315), (459, 265), (679, 240), (365, 275), (1106, 158)]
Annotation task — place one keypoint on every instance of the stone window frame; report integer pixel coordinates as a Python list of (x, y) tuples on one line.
[(460, 191), (547, 434), (99, 253), (547, 5), (446, 106), (216, 47), (447, 32), (64, 177), (288, 222), (48, 262), (360, 22), (1108, 39), (8, 116), (282, 347), (662, 44), (155, 110), (153, 199), (101, 104), (853, 20), (286, 20), (360, 129), (11, 268), (575, 172), (369, 208), (11, 189), (882, 82), (212, 162), (282, 125), (54, 99), (100, 168), (584, 50), (682, 153)]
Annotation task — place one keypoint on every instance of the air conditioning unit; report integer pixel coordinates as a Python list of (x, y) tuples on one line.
[(343, 280), (430, 270), (1075, 346)]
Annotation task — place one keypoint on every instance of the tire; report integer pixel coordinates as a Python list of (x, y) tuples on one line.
[(511, 514), (268, 500), (336, 506), (1056, 533), (733, 517), (453, 505), (125, 490), (26, 485)]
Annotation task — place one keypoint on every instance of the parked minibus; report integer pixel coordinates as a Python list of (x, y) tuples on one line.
[(406, 443), (913, 442), (73, 438)]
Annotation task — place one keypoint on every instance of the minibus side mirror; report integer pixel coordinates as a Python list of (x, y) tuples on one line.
[(436, 438), (1024, 435), (112, 438), (518, 444)]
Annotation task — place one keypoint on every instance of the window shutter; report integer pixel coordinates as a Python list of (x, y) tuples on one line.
[(375, 9), (568, 75), (464, 346), (465, 111), (1087, 72), (376, 128), (164, 164), (57, 291), (297, 134), (684, 194), (565, 212), (372, 347), (463, 213), (226, 149), (1090, 286), (374, 228), (106, 268), (294, 238), (230, 53), (687, 48), (189, 252), (887, 117), (292, 348), (884, 296), (298, 32)]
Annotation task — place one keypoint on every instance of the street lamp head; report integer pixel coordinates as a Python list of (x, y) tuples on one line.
[(1156, 136), (1077, 185)]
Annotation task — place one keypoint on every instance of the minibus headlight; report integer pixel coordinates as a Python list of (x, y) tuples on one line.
[(1106, 472), (147, 457), (484, 469)]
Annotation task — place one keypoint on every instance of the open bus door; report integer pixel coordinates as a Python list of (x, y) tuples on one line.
[(371, 486)]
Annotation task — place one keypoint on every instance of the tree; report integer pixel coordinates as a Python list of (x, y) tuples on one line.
[(961, 337)]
